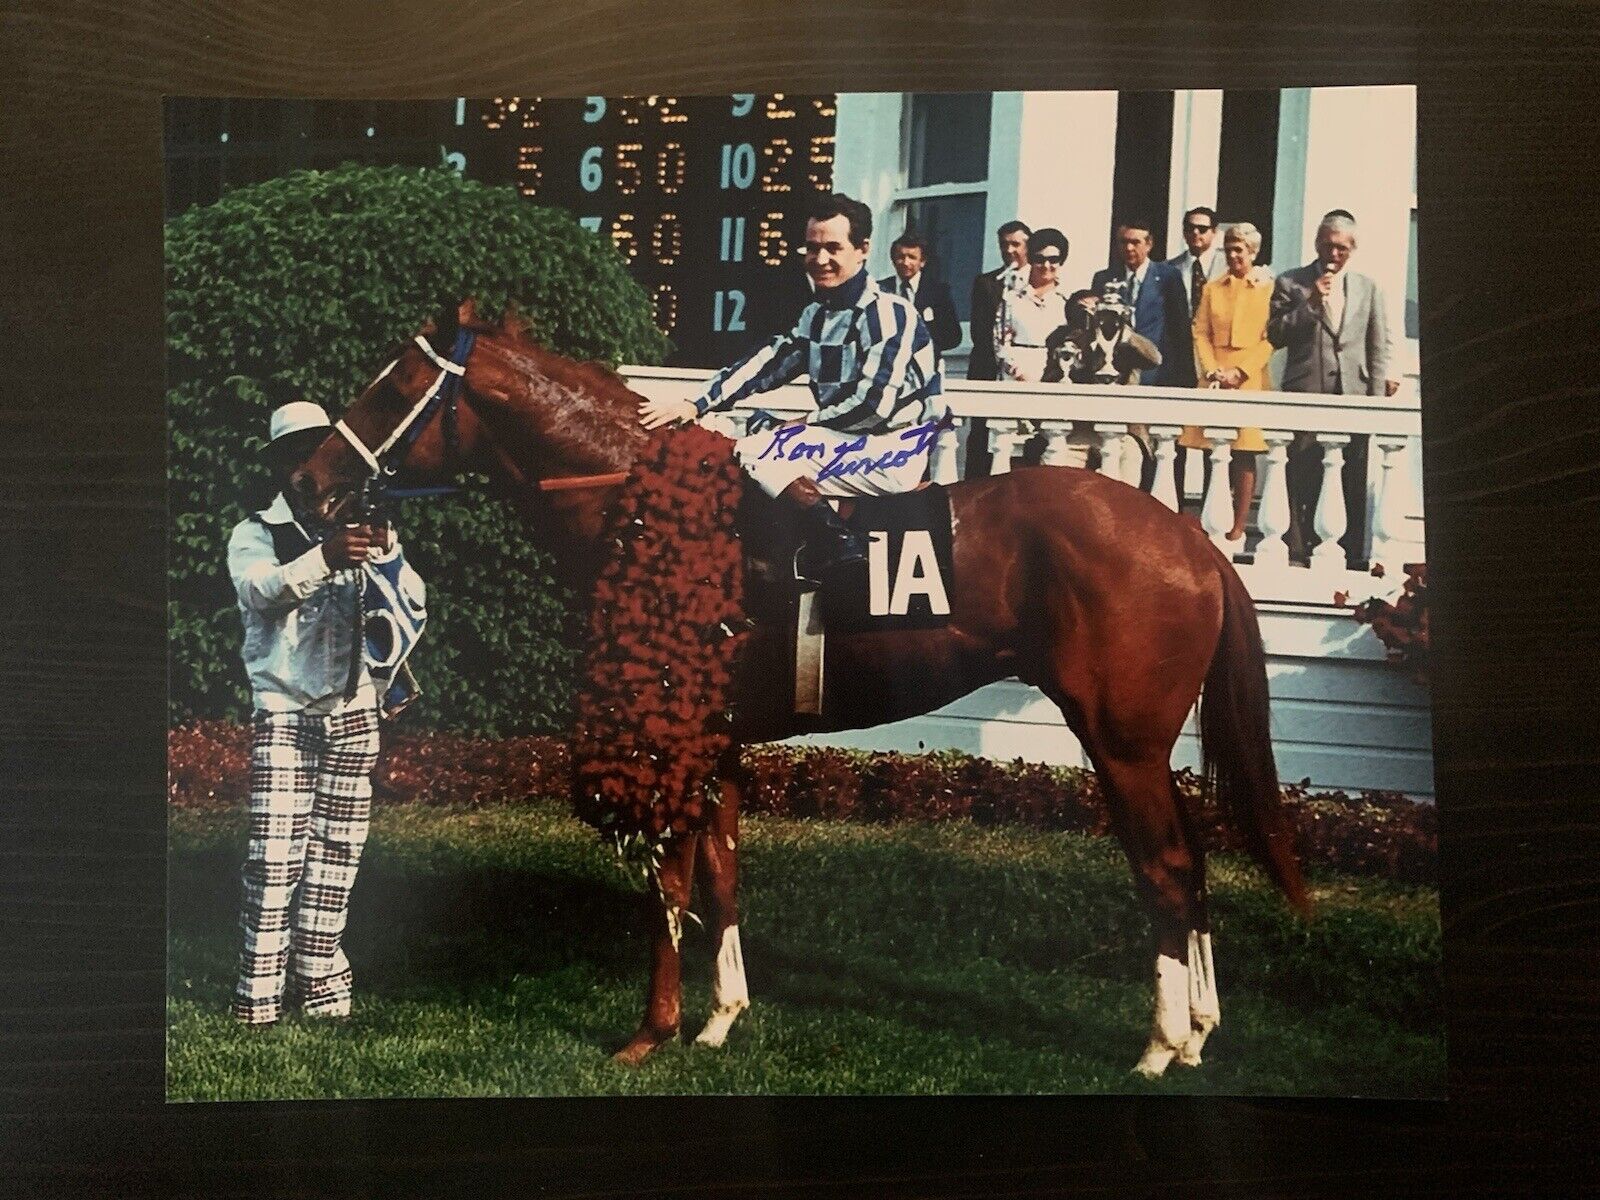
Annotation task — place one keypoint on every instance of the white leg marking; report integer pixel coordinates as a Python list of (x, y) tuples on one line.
[(730, 995), (1205, 1007), (1170, 1030)]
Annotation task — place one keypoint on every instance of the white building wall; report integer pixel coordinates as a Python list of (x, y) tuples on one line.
[(868, 161)]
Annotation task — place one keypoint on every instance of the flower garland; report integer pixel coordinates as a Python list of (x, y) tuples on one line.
[(1400, 619), (665, 630)]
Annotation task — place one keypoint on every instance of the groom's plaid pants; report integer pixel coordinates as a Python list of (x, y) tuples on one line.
[(310, 799)]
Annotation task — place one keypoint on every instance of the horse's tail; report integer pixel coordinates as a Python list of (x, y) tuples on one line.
[(1236, 741)]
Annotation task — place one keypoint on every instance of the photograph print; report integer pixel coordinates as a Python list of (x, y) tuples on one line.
[(892, 593)]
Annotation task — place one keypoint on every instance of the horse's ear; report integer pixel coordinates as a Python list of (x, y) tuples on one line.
[(443, 324), (514, 322)]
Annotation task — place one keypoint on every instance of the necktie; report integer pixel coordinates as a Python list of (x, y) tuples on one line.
[(905, 288), (1197, 284), (1133, 288), (1334, 305)]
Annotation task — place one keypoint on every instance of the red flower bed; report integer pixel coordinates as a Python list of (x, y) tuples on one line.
[(666, 625), (1374, 833)]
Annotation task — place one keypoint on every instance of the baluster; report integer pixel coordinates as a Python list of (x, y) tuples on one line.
[(1273, 517), (1057, 453), (944, 461), (1003, 439), (1331, 519), (1112, 436), (1165, 487), (1389, 524), (1216, 512)]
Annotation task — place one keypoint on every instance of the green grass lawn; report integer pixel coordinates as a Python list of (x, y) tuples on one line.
[(500, 951)]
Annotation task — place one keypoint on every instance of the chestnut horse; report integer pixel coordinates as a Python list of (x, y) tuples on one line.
[(1118, 610)]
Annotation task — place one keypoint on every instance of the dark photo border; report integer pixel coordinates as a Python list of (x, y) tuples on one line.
[(1506, 148)]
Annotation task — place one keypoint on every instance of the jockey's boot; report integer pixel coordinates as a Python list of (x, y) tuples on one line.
[(833, 550)]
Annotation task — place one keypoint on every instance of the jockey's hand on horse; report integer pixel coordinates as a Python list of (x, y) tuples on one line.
[(352, 545), (653, 414)]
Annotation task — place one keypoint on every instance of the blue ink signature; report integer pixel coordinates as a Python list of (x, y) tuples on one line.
[(787, 445)]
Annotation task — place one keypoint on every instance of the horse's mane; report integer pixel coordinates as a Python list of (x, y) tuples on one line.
[(599, 412)]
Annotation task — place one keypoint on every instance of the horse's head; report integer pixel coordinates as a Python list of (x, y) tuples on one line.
[(400, 419), (475, 395)]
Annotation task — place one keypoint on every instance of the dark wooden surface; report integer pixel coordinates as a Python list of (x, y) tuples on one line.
[(1510, 280)]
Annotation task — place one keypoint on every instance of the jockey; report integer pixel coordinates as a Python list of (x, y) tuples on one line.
[(874, 372)]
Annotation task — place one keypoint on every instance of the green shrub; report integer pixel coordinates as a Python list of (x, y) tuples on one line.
[(310, 281)]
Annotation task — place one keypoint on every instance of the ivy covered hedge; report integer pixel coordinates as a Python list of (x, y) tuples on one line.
[(309, 282), (1381, 834)]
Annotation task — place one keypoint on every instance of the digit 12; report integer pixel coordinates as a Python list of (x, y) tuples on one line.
[(733, 300)]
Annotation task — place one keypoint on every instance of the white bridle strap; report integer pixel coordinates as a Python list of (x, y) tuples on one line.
[(373, 457), (444, 364), (358, 446)]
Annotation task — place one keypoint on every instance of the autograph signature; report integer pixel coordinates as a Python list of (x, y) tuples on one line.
[(789, 445)]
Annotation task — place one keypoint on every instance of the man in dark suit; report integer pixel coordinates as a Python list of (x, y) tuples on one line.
[(1197, 266), (928, 292), (1154, 291), (986, 289)]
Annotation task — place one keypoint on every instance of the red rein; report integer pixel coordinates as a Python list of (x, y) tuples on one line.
[(574, 483)]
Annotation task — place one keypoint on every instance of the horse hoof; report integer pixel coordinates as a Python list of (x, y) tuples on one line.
[(1189, 1052), (643, 1045), (1153, 1063), (716, 1031)]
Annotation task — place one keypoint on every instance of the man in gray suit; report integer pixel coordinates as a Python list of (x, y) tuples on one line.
[(1333, 323)]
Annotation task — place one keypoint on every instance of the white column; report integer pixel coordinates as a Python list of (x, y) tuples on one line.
[(944, 462), (1216, 514), (1165, 487), (1273, 517), (1003, 439), (1391, 543), (1196, 155), (1055, 443), (1112, 436), (1331, 519), (1067, 143)]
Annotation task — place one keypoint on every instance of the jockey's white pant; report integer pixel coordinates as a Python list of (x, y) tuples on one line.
[(842, 464)]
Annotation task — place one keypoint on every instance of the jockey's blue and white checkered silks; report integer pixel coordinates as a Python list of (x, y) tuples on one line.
[(872, 365)]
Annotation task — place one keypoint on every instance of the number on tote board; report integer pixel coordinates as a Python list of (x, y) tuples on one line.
[(733, 300), (589, 172), (738, 165), (732, 239), (666, 239), (629, 176), (779, 151)]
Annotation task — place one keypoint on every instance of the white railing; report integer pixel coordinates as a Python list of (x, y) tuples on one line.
[(1016, 412)]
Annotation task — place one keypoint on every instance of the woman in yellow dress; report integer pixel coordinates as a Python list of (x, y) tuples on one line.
[(1231, 346)]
